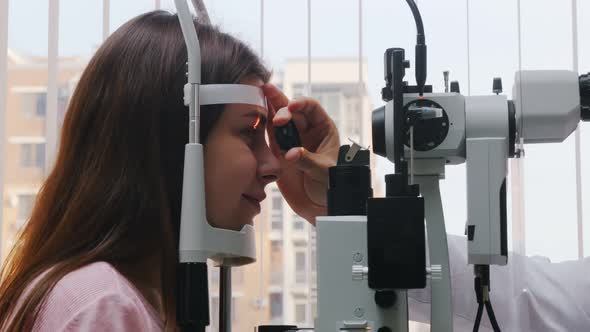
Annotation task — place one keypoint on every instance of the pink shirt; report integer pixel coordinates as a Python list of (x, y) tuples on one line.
[(96, 297)]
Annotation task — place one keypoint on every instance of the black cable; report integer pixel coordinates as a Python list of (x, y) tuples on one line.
[(492, 316), (478, 317), (418, 19), (420, 49)]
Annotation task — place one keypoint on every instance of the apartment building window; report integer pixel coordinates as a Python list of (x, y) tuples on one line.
[(40, 104), (277, 203), (34, 104), (276, 217), (25, 206), (276, 305), (300, 313), (276, 262), (32, 155), (300, 267), (298, 223)]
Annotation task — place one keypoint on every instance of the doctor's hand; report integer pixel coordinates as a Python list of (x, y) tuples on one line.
[(304, 170)]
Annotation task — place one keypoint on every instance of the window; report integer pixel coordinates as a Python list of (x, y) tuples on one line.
[(41, 104), (276, 221), (277, 203), (298, 223), (276, 305), (300, 268), (276, 263), (40, 155), (26, 155), (32, 155), (25, 206), (33, 103), (300, 312)]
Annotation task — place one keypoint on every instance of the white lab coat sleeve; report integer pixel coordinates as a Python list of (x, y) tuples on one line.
[(528, 294)]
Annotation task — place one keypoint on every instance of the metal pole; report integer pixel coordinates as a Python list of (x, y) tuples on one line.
[(518, 215), (157, 5), (309, 48), (106, 15), (52, 82), (225, 298), (3, 109), (468, 52), (360, 82), (309, 230), (578, 140), (261, 226)]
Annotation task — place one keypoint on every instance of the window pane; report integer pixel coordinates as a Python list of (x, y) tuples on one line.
[(300, 267), (41, 104), (25, 206), (300, 312), (26, 155), (276, 305), (40, 155)]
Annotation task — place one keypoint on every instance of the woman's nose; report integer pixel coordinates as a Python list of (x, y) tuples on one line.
[(269, 168)]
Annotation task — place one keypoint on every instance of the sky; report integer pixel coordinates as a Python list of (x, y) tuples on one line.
[(546, 43)]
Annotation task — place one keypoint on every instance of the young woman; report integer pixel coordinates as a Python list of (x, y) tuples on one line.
[(100, 249)]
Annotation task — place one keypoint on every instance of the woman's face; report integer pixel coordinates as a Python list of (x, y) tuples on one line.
[(238, 165)]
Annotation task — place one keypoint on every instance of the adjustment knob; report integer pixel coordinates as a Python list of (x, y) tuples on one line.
[(497, 87), (359, 272), (434, 272), (455, 87), (585, 96)]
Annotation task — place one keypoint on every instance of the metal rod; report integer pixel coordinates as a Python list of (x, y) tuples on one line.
[(309, 48), (52, 82), (3, 104), (309, 91), (225, 299), (261, 226), (579, 207), (106, 18), (518, 216), (360, 82), (468, 51)]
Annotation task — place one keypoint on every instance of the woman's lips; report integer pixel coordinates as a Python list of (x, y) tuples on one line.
[(253, 201)]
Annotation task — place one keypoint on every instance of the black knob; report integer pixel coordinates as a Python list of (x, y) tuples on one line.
[(585, 97), (385, 299), (497, 88), (455, 87), (384, 329)]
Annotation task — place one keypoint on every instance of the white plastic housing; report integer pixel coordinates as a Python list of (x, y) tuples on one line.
[(198, 239), (487, 157), (547, 104)]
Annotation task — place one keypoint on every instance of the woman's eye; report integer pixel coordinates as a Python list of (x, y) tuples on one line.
[(250, 133)]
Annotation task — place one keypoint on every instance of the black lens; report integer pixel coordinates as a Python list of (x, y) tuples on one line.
[(379, 131)]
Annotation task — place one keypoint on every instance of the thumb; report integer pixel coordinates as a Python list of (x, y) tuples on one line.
[(313, 164)]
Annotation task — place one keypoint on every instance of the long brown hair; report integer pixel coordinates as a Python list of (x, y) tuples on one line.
[(114, 194)]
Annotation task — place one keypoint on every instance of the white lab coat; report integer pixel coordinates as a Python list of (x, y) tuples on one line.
[(529, 294)]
